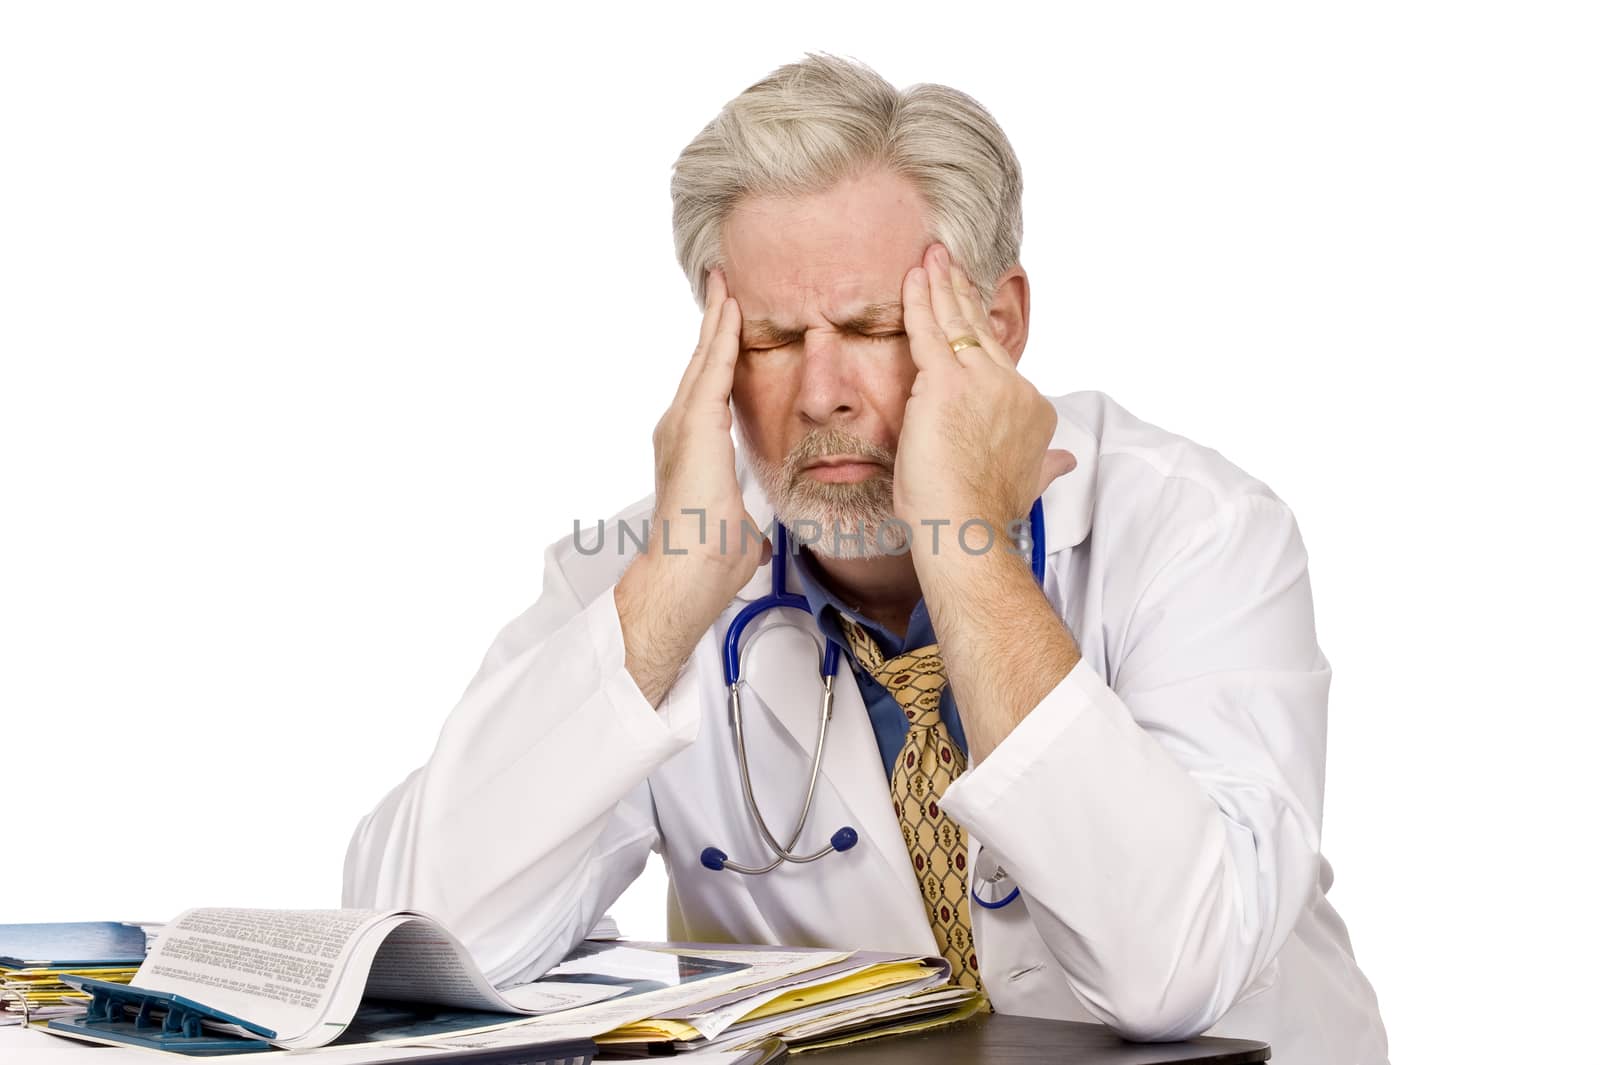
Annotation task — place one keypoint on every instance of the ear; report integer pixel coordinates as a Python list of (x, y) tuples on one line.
[(1008, 311)]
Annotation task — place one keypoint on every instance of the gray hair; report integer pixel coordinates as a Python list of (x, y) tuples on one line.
[(809, 125)]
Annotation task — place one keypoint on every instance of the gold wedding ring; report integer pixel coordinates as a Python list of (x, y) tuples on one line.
[(968, 341)]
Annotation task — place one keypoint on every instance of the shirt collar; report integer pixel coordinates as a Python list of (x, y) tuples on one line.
[(824, 603)]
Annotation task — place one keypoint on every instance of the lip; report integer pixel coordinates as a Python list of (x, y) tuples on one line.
[(842, 460), (843, 469)]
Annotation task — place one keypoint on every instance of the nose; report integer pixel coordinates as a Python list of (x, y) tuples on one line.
[(828, 386)]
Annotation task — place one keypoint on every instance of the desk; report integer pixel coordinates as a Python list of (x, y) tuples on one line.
[(992, 1039), (1006, 1039)]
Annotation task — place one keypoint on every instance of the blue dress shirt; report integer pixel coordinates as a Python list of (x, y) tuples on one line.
[(889, 722)]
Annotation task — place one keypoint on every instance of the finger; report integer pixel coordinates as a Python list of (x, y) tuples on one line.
[(959, 320), (945, 309), (1058, 462), (972, 312), (948, 312), (716, 295), (930, 350), (716, 292), (715, 383)]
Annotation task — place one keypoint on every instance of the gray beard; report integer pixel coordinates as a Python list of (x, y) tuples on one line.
[(834, 520)]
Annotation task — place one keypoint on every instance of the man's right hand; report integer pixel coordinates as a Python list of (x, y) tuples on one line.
[(672, 593)]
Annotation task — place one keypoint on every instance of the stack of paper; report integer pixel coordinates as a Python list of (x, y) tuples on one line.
[(814, 996), (368, 982), (34, 957), (861, 996)]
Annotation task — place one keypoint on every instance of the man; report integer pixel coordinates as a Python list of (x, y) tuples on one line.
[(1128, 754)]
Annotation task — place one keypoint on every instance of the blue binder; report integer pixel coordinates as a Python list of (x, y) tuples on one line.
[(73, 945), (157, 1020), (160, 1020)]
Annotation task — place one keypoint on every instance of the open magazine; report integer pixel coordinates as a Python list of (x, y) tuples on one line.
[(296, 978)]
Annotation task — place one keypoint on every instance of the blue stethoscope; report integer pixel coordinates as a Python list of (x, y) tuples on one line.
[(732, 662)]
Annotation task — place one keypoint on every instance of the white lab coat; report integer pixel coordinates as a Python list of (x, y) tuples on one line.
[(1160, 808)]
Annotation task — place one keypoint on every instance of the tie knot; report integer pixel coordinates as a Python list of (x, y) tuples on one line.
[(915, 678)]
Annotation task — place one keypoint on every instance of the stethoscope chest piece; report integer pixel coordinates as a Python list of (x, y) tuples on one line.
[(994, 885)]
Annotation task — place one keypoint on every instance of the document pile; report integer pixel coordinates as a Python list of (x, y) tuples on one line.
[(34, 958), (844, 998), (233, 980), (353, 986)]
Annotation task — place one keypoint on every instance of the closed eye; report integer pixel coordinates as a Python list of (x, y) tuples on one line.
[(869, 336)]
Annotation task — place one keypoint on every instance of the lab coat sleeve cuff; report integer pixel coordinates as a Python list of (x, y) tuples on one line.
[(1080, 747), (561, 714), (987, 783), (671, 726)]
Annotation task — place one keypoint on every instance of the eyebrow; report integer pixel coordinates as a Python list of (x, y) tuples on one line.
[(872, 316)]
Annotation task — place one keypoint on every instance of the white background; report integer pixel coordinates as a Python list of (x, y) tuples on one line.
[(320, 321)]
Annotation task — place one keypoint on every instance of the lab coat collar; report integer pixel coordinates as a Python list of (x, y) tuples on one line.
[(1068, 501)]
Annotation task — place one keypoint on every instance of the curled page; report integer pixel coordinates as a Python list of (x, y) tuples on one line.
[(303, 973)]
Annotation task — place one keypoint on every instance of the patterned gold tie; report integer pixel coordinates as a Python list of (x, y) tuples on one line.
[(927, 763)]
